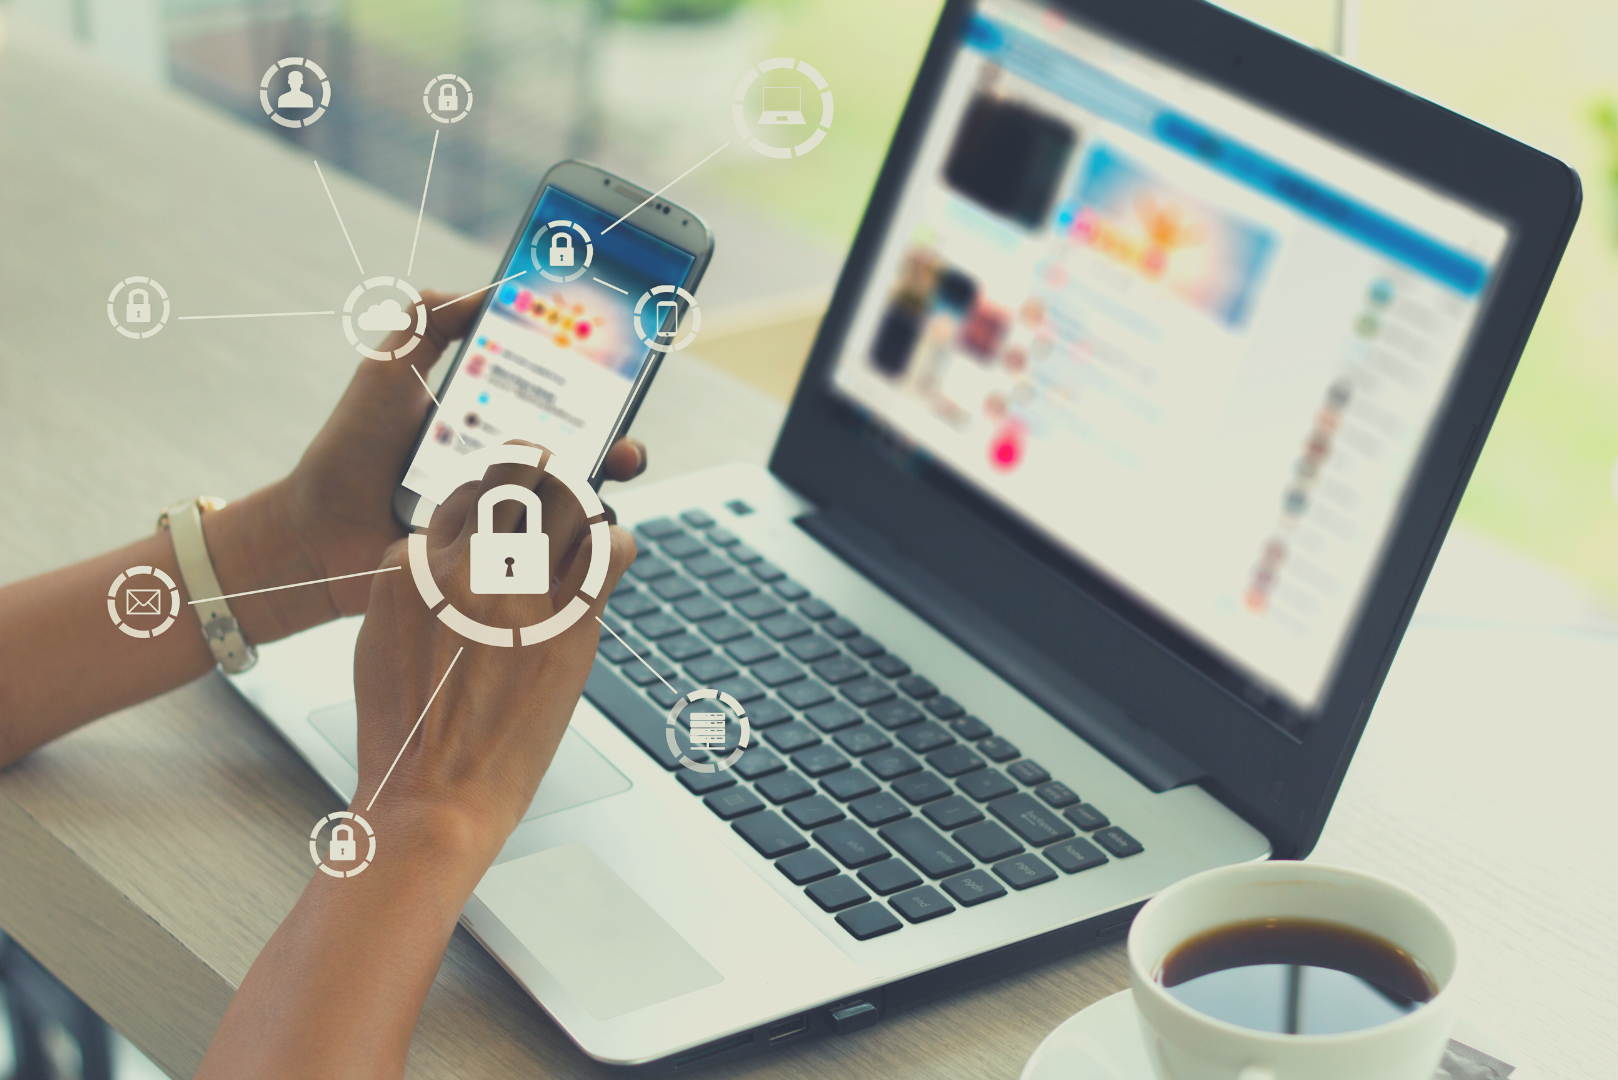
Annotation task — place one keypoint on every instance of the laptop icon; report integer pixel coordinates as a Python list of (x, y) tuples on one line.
[(782, 105)]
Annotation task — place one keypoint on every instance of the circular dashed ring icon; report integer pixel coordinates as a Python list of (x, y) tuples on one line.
[(386, 314), (343, 845), (138, 307), (783, 108), (560, 255), (439, 486), (295, 98), (690, 305), (143, 601), (714, 729), (449, 103)]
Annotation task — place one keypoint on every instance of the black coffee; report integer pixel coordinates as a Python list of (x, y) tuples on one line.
[(1296, 976)]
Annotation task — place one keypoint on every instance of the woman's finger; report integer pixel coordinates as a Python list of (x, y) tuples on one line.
[(626, 460)]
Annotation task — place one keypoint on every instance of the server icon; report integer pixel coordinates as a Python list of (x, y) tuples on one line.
[(708, 730)]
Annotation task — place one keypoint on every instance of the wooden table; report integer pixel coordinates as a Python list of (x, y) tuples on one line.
[(147, 858)]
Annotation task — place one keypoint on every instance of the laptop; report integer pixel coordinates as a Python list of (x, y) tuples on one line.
[(782, 105), (1140, 411)]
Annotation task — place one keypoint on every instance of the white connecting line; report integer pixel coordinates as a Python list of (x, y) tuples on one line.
[(637, 655), (258, 315), (294, 585), (430, 394), (340, 217), (423, 207), (660, 191), (485, 288), (412, 734)]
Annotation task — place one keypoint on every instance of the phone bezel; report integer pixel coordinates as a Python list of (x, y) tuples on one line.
[(613, 195)]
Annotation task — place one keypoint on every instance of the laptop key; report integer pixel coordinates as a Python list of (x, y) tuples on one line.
[(1028, 772), (636, 718), (921, 787), (889, 876), (769, 835), (1117, 842), (890, 665), (917, 686), (954, 761), (816, 610), (733, 803), (919, 905), (759, 606), (852, 845), (744, 554), (867, 692), (1031, 820), (840, 628), (860, 740), (849, 784), (639, 674), (945, 708), (792, 737), (614, 650), (896, 714), (766, 711), (832, 716), (659, 528), (868, 921), (1071, 856), (985, 785), (777, 672), (998, 749), (973, 887), (924, 738), (812, 647), (782, 787), (658, 625), (889, 764), (1024, 871), (839, 669), (987, 841), (667, 697), (813, 812), (1086, 817), (710, 669), (926, 847), (767, 571), (682, 546), (741, 688), (971, 728), (864, 646), (649, 567), (750, 649), (952, 813), (633, 605), (700, 783), (724, 630), (818, 761), (697, 519), (707, 566), (805, 695), (1058, 794), (783, 626), (674, 587), (683, 647), (756, 763), (879, 809), (732, 586), (721, 537), (806, 866), (700, 607), (789, 590)]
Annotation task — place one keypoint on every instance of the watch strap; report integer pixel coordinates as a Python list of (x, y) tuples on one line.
[(220, 630)]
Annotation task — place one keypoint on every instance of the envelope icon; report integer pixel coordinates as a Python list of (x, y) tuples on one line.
[(143, 601)]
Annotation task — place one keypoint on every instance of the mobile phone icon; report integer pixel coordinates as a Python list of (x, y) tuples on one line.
[(669, 319)]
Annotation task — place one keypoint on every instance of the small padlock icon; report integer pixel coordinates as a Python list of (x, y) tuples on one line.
[(449, 99), (342, 844), (561, 249), (138, 310), (508, 564)]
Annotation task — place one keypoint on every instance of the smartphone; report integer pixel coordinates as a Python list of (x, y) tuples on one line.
[(554, 355)]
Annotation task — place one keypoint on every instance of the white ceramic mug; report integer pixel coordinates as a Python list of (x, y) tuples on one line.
[(1184, 1044)]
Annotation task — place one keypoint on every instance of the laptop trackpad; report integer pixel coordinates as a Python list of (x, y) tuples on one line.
[(578, 772), (592, 932)]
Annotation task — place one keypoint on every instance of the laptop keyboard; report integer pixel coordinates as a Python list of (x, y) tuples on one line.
[(869, 787)]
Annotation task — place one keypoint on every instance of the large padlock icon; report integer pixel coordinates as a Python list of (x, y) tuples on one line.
[(506, 564), (138, 310), (449, 99), (561, 248), (342, 844)]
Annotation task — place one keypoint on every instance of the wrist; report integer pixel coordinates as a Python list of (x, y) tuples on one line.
[(456, 842), (253, 546)]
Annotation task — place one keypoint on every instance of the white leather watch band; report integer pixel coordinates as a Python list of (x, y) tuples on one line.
[(219, 627)]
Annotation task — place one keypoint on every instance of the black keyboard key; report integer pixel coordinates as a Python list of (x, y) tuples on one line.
[(889, 876), (650, 567), (710, 669), (625, 707), (659, 528), (867, 692), (674, 587), (1086, 817), (759, 606), (852, 845), (766, 711), (835, 894), (756, 763), (1024, 871), (890, 764), (921, 787), (868, 921), (917, 686), (707, 566), (783, 787), (766, 571), (733, 803), (919, 905), (744, 554), (732, 586), (700, 783), (812, 647), (816, 610), (1071, 856), (789, 590), (972, 887), (614, 650), (945, 708), (985, 785), (925, 738), (998, 749), (790, 738), (633, 605), (1030, 819), (1027, 772), (697, 519), (806, 866), (658, 625), (952, 813), (849, 784), (890, 665), (741, 688), (667, 695), (813, 812), (683, 647), (926, 847), (954, 761), (832, 716), (1058, 794), (1117, 842), (971, 728), (986, 841), (860, 740), (839, 669), (626, 584), (750, 649), (777, 672), (805, 695), (643, 675), (879, 809), (683, 546), (769, 835), (863, 646), (784, 626), (721, 537), (840, 628), (818, 761), (698, 608), (896, 714)]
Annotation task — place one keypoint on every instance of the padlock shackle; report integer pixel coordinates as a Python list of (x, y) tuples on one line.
[(501, 493), (145, 297)]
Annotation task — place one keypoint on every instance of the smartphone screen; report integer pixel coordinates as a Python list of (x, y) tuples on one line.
[(555, 362)]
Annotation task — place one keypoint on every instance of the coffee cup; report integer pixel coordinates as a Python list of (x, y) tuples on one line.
[(1204, 917)]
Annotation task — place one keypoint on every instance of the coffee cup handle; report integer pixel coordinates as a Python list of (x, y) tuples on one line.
[(1256, 1072)]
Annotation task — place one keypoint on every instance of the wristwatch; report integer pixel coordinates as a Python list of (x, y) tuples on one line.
[(220, 630)]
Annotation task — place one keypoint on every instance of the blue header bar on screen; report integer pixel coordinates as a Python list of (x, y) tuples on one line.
[(1114, 100)]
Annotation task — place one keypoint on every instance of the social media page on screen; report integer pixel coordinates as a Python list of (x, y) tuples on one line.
[(553, 362), (1192, 343)]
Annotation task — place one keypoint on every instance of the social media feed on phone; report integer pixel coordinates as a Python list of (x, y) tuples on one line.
[(552, 362), (1122, 303)]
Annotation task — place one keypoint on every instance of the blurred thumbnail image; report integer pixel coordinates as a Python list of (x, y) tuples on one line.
[(575, 320), (1009, 158)]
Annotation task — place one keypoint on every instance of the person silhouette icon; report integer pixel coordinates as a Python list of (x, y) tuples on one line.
[(295, 98)]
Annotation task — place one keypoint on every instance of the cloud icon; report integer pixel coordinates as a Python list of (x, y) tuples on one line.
[(384, 316)]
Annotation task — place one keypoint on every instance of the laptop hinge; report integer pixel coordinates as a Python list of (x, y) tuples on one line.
[(1145, 756)]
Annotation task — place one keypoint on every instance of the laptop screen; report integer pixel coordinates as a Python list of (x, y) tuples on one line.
[(1193, 344)]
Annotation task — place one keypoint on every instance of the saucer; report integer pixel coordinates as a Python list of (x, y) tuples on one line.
[(1103, 1042)]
